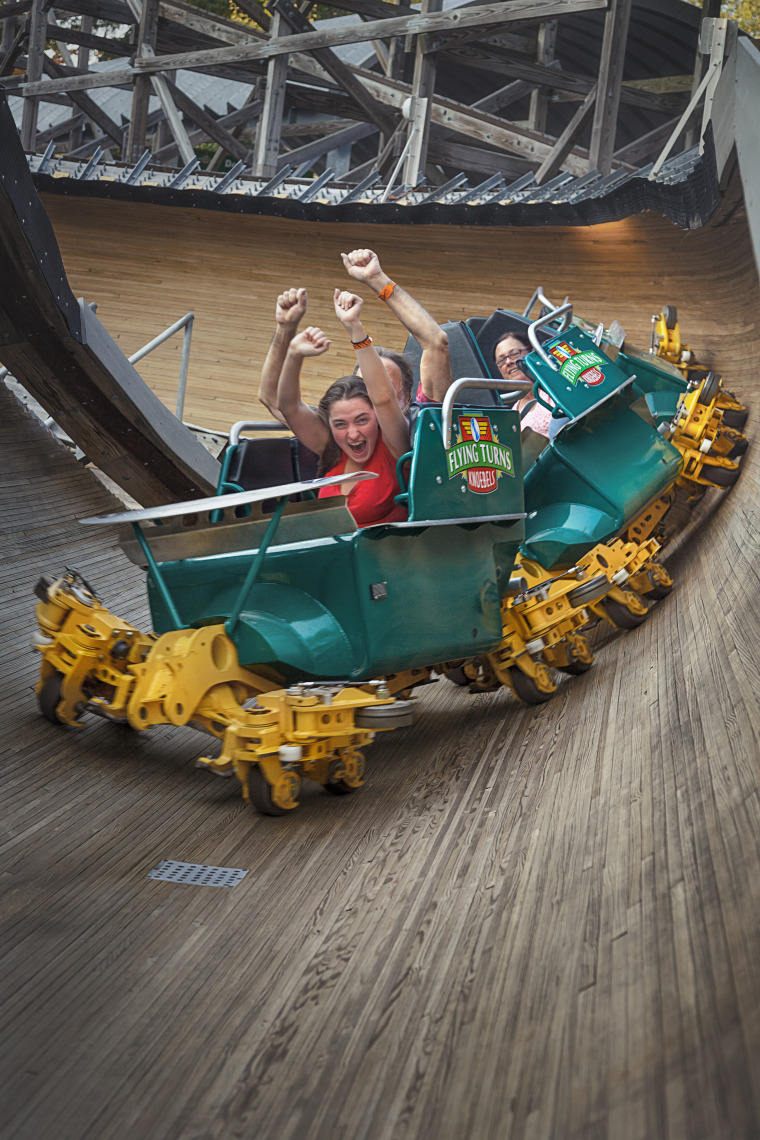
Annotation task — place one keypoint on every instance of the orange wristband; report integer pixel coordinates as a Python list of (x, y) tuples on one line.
[(357, 344), (386, 292)]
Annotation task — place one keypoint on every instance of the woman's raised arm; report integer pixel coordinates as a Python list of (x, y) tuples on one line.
[(391, 420)]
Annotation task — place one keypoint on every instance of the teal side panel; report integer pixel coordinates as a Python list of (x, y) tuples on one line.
[(434, 596), (375, 601), (288, 626), (480, 474), (652, 375), (613, 464), (560, 533), (584, 375)]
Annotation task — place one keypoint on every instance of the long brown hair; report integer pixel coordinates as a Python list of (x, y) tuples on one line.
[(347, 388)]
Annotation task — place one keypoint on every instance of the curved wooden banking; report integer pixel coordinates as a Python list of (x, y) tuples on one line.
[(532, 921)]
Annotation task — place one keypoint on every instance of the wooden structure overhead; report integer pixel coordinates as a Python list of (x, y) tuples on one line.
[(440, 103)]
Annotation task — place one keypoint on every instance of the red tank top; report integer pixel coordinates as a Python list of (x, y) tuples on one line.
[(371, 502)]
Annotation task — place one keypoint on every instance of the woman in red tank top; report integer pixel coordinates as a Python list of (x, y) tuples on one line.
[(361, 426)]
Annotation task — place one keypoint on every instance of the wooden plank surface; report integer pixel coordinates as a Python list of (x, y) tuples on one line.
[(530, 922)]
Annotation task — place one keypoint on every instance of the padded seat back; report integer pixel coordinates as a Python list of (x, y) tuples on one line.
[(256, 463), (269, 462), (466, 360), (488, 333)]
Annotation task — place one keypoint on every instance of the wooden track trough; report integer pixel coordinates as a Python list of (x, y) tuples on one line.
[(532, 922)]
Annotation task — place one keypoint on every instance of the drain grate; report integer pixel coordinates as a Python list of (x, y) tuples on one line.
[(197, 874)]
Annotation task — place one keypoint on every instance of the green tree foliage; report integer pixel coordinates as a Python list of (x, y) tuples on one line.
[(745, 12), (227, 8)]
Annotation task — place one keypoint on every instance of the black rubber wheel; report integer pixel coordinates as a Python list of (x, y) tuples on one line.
[(50, 696), (735, 417), (710, 388), (589, 592), (339, 788), (457, 676), (738, 450), (336, 785), (620, 615), (575, 667), (527, 689), (670, 316), (659, 590), (720, 476), (261, 793)]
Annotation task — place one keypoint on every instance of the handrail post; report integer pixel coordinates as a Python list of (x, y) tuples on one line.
[(184, 362), (253, 573)]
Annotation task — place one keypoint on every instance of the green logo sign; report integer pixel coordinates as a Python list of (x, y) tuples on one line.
[(573, 367)]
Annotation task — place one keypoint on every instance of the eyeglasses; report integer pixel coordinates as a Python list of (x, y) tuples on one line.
[(510, 357)]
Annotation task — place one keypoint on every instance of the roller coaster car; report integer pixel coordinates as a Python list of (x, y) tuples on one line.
[(287, 634)]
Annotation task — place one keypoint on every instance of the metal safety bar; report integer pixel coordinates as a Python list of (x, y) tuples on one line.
[(238, 428), (566, 308), (185, 323), (474, 382)]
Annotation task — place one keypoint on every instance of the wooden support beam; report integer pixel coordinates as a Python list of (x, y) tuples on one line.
[(477, 126), (314, 127), (12, 52), (160, 86), (519, 10), (60, 129), (338, 70), (146, 39), (375, 9), (316, 149), (552, 163), (648, 144), (611, 66), (491, 37), (503, 97), (84, 39), (197, 20), (267, 146), (461, 157), (147, 11), (210, 126), (229, 122), (553, 77), (88, 106), (34, 67), (10, 11), (423, 89), (257, 12), (539, 103), (482, 14)]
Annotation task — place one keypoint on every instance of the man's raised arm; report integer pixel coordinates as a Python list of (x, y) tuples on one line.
[(291, 307), (435, 366)]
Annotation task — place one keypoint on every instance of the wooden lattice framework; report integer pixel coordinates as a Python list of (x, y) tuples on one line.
[(391, 120)]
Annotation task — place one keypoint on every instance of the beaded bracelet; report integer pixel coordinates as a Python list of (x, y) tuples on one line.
[(357, 344), (386, 292)]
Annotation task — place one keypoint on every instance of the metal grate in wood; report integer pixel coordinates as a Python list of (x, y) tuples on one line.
[(196, 874)]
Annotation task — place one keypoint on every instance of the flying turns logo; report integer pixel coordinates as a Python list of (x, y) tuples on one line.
[(478, 457), (576, 365)]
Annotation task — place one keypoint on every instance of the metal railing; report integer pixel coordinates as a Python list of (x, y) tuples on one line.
[(185, 323)]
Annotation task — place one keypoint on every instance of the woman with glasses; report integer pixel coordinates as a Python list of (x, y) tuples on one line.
[(508, 353)]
